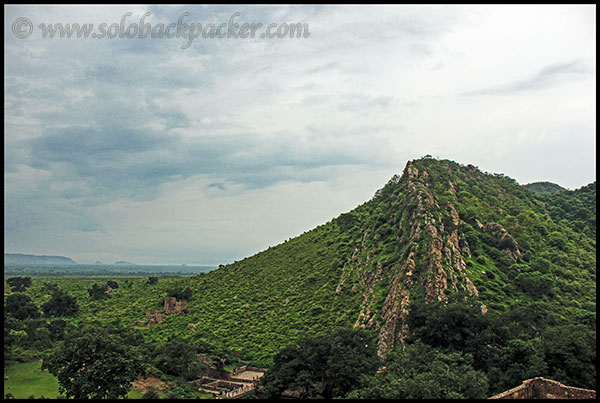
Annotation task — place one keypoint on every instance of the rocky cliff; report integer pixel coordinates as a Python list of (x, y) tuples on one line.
[(429, 257)]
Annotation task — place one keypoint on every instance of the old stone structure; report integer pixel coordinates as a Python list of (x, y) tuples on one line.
[(154, 317), (231, 384), (540, 388), (172, 305)]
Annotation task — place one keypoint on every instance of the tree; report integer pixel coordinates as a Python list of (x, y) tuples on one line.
[(96, 362), (152, 280), (180, 293), (97, 291), (177, 357), (57, 329), (112, 284), (570, 351), (151, 394), (422, 372), (38, 334), (19, 284), (61, 304), (521, 359), (324, 366), (455, 324), (20, 306)]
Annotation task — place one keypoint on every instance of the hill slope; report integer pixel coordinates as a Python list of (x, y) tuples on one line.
[(544, 188), (439, 228)]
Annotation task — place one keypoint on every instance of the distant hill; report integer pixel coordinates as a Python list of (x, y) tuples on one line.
[(544, 188), (19, 258), (123, 263)]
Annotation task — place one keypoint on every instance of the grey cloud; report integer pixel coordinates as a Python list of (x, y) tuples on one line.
[(133, 163), (547, 77)]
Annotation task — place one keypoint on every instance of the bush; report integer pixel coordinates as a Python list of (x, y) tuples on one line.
[(61, 304), (19, 284), (20, 306)]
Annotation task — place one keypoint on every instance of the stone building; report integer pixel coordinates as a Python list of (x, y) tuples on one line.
[(540, 388), (172, 305)]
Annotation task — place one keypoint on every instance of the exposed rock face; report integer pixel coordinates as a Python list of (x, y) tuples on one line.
[(503, 240), (433, 261)]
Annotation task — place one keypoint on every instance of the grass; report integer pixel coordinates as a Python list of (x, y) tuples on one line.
[(27, 379), (134, 394)]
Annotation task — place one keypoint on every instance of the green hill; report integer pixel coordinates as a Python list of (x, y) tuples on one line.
[(439, 229), (544, 188)]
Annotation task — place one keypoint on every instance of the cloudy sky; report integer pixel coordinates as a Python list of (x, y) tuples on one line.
[(148, 150)]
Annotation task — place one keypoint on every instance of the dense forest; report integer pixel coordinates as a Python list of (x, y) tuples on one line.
[(449, 283)]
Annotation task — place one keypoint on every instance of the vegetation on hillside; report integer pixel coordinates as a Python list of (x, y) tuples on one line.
[(544, 188), (530, 257)]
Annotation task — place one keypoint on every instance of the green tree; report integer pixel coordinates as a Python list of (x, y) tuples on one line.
[(324, 366), (521, 359), (20, 306), (112, 284), (178, 358), (455, 324), (96, 362), (97, 291), (570, 351), (57, 329), (61, 304), (180, 293), (422, 372), (19, 284)]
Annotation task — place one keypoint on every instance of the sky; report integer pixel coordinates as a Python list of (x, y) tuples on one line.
[(206, 150)]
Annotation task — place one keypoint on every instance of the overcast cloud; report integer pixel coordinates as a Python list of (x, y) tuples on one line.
[(139, 150)]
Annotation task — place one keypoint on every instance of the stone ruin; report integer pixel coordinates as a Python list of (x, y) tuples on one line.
[(540, 388), (172, 306)]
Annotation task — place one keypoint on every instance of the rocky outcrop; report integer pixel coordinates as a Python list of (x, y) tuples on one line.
[(503, 240), (433, 261)]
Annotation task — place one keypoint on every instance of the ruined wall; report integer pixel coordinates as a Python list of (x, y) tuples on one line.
[(540, 388), (154, 317), (174, 306)]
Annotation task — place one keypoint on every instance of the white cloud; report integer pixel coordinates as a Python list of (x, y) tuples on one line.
[(212, 139)]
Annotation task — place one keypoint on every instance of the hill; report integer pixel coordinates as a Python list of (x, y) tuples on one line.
[(544, 188), (437, 233), (19, 258), (437, 229)]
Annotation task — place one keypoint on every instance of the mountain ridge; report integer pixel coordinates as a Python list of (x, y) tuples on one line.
[(23, 258)]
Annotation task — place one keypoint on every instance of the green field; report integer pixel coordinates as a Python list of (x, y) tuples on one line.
[(28, 379)]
